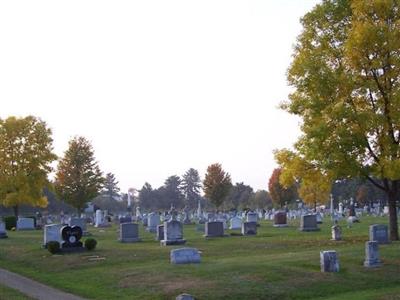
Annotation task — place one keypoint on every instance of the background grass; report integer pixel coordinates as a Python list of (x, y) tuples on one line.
[(278, 263)]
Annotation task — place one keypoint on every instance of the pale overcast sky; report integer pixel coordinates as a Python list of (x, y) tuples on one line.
[(158, 87)]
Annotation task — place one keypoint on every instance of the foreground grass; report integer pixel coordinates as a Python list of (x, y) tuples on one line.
[(279, 263), (8, 294)]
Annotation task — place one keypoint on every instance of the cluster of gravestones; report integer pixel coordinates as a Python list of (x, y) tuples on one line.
[(378, 234)]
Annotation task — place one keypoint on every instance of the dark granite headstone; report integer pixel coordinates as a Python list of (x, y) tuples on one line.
[(280, 219), (329, 261), (249, 228), (308, 223), (129, 233), (214, 229)]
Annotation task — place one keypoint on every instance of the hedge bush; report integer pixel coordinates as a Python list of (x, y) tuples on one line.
[(90, 244), (53, 247), (10, 222)]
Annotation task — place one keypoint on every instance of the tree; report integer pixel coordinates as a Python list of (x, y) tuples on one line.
[(345, 74), (240, 195), (217, 184), (25, 157), (78, 177), (261, 199), (280, 194), (146, 197), (111, 188), (191, 185), (314, 185), (171, 192)]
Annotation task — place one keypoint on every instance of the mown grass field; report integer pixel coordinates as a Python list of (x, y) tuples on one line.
[(278, 263)]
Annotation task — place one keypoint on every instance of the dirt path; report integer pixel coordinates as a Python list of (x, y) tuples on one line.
[(32, 288)]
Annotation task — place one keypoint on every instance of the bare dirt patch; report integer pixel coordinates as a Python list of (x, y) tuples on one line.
[(167, 283)]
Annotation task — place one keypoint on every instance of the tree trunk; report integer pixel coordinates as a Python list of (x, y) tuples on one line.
[(16, 211), (393, 227)]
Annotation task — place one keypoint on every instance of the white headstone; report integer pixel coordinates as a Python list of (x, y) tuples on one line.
[(236, 223), (52, 232), (25, 224)]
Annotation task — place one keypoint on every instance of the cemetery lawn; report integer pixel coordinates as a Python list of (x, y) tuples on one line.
[(6, 294), (278, 263)]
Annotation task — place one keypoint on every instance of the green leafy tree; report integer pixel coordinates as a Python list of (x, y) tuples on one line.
[(346, 75), (110, 188), (25, 157), (78, 178), (217, 184), (191, 185), (261, 199), (239, 196), (146, 197), (280, 194)]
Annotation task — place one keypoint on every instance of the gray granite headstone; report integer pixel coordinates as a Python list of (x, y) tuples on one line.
[(173, 233), (153, 220), (214, 229), (329, 261), (235, 223), (379, 233), (25, 224), (3, 232), (336, 233), (372, 255), (185, 256), (308, 223), (52, 232), (129, 233), (184, 297), (249, 228)]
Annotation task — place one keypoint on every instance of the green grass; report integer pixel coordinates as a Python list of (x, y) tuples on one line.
[(8, 294), (279, 263)]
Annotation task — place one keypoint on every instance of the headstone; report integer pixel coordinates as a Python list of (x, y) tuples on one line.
[(329, 261), (153, 220), (214, 229), (319, 218), (308, 223), (52, 232), (280, 219), (372, 255), (336, 232), (25, 224), (249, 228), (173, 233), (184, 297), (126, 219), (160, 232), (251, 217), (379, 233), (129, 233), (185, 256), (71, 238), (145, 221), (99, 218), (236, 223), (3, 232), (81, 222), (341, 208), (386, 210)]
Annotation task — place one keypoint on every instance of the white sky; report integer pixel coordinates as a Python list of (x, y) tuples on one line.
[(158, 87)]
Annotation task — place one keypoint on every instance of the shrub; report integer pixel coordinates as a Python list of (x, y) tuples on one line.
[(90, 244), (53, 247), (10, 221)]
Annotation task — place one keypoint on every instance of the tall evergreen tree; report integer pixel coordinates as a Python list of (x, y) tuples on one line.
[(191, 185), (111, 189), (78, 177)]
